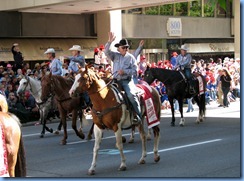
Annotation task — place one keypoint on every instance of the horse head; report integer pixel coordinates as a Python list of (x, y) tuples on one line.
[(148, 76), (46, 83), (23, 85)]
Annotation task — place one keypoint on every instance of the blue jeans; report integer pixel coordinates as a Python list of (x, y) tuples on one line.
[(129, 88)]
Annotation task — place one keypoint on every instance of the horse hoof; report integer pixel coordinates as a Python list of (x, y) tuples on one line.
[(42, 136), (82, 136), (181, 125), (142, 162), (201, 120), (157, 158), (91, 172), (172, 124), (89, 137), (51, 130), (123, 139), (63, 142), (131, 140), (56, 132), (123, 168)]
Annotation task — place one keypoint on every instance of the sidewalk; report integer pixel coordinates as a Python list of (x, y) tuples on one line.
[(212, 110)]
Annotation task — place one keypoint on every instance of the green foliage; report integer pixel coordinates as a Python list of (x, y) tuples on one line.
[(152, 10), (166, 9), (222, 3), (195, 10), (181, 9), (208, 10)]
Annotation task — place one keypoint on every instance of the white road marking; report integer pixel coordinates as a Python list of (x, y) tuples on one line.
[(84, 141), (185, 146), (36, 134)]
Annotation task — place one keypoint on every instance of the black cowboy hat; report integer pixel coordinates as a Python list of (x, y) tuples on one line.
[(123, 42)]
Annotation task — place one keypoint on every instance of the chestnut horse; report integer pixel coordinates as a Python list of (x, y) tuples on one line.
[(108, 113), (59, 87), (12, 153)]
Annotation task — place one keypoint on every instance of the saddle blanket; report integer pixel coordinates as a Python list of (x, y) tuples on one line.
[(152, 119), (3, 155), (201, 87)]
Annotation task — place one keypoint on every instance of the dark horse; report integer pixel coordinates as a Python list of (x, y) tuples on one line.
[(177, 88), (60, 86)]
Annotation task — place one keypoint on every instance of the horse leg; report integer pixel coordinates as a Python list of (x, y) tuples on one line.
[(131, 140), (42, 122), (143, 141), (64, 123), (59, 127), (89, 136), (156, 133), (74, 119), (182, 119), (171, 101), (98, 139), (149, 134), (119, 145)]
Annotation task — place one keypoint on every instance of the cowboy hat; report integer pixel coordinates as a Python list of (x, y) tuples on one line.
[(37, 65), (76, 47), (122, 42), (49, 50), (184, 47)]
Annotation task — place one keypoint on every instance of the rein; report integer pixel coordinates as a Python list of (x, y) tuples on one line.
[(28, 83), (100, 114)]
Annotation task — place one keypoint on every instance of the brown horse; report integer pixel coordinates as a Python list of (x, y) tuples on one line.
[(59, 86), (12, 153), (109, 114)]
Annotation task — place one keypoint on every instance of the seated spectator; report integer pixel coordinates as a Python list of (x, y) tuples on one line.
[(12, 100), (2, 89), (30, 103), (8, 90)]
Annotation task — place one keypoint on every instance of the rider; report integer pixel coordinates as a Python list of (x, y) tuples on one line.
[(55, 65), (124, 67), (183, 62), (73, 68), (75, 58)]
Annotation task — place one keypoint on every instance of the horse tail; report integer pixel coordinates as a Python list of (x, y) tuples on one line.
[(20, 167), (202, 97)]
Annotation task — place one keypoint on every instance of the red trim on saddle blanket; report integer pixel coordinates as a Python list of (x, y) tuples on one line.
[(201, 87), (152, 119), (3, 155)]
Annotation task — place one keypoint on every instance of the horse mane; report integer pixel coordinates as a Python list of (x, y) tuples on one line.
[(63, 82)]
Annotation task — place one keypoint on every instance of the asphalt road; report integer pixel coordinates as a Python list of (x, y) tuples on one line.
[(211, 149)]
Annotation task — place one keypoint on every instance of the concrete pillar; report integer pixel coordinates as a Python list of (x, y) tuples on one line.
[(109, 21), (237, 24)]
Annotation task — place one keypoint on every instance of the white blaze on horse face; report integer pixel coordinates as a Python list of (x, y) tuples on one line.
[(21, 85), (75, 84)]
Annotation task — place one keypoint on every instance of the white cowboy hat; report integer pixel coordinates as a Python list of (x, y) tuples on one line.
[(76, 47), (184, 47), (49, 50)]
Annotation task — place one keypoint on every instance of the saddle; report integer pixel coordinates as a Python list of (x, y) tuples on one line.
[(144, 94)]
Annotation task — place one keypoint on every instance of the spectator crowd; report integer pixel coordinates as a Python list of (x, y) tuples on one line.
[(222, 76)]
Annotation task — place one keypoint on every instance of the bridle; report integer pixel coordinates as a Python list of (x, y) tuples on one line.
[(28, 83)]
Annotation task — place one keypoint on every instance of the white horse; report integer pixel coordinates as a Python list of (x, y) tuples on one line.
[(34, 86)]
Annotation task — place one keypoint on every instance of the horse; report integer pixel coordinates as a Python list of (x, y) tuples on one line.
[(176, 88), (34, 86), (12, 152), (59, 87), (110, 114)]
